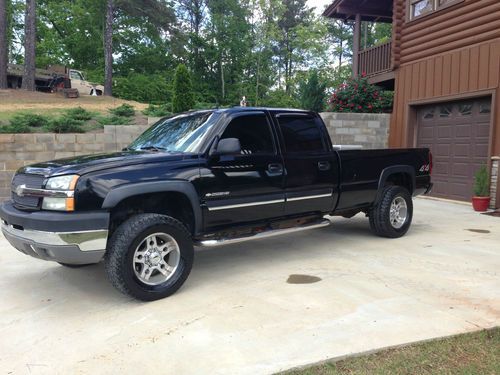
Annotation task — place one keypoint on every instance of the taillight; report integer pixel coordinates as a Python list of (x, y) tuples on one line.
[(430, 162)]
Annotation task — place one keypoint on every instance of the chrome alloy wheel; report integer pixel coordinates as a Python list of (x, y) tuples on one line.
[(398, 212), (156, 259)]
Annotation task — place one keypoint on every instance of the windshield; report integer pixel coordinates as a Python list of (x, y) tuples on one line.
[(182, 133)]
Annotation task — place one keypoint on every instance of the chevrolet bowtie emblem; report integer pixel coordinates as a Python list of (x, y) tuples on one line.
[(20, 190)]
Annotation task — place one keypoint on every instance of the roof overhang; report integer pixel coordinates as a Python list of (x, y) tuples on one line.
[(370, 10)]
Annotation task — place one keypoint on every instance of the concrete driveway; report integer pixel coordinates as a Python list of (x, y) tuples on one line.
[(238, 315)]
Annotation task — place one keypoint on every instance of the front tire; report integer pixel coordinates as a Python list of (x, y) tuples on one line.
[(149, 256), (393, 214)]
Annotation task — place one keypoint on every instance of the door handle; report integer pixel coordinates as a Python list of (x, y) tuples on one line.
[(274, 169), (323, 165)]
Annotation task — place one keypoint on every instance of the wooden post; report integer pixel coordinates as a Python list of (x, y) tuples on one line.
[(355, 45)]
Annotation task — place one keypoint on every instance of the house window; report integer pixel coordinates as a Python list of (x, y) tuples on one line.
[(419, 8)]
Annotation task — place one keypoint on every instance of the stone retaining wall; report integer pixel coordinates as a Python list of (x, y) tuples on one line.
[(369, 130), (18, 150)]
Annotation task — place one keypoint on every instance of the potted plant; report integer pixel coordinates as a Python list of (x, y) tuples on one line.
[(481, 198)]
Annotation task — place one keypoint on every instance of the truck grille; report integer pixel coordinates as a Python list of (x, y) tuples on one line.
[(30, 180)]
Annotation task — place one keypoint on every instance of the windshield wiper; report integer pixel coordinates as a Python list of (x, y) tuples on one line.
[(153, 148)]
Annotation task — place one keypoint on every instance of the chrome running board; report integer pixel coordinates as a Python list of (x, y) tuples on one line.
[(256, 236)]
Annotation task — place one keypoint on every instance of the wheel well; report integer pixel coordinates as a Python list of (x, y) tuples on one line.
[(174, 204), (400, 179)]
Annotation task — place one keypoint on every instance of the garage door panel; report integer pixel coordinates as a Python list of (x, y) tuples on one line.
[(460, 169), (444, 132), (463, 131), (461, 150), (459, 141), (482, 130), (442, 150)]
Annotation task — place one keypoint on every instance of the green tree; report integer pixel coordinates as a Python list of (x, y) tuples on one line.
[(312, 93), (3, 44), (183, 99)]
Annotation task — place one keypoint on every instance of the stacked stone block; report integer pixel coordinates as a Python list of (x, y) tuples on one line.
[(495, 161), (18, 150), (369, 130)]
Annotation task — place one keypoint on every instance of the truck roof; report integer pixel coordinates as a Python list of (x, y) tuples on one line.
[(246, 109)]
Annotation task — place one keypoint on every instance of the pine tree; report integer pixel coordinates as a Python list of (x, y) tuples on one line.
[(312, 93), (3, 44), (29, 46), (183, 98)]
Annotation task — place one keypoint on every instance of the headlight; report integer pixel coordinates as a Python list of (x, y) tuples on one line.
[(62, 183), (66, 186)]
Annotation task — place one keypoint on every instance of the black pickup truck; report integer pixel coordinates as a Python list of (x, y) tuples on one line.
[(204, 178)]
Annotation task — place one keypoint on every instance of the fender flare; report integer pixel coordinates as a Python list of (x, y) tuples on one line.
[(118, 194), (389, 171)]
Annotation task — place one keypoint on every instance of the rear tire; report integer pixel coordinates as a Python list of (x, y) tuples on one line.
[(149, 256), (393, 214)]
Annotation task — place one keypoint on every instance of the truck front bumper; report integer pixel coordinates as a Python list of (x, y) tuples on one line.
[(72, 238)]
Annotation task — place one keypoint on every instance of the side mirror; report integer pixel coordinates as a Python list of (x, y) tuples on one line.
[(228, 146)]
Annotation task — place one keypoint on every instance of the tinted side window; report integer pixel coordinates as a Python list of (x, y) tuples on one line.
[(301, 134), (254, 134)]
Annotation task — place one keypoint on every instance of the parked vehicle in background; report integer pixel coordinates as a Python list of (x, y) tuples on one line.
[(205, 178), (83, 86), (54, 78)]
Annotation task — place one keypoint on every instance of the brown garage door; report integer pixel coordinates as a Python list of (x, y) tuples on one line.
[(458, 135)]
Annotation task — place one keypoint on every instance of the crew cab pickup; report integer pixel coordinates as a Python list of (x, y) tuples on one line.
[(203, 179)]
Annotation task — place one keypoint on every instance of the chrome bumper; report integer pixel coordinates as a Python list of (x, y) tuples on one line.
[(66, 247)]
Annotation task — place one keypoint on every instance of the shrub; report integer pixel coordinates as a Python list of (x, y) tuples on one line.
[(183, 98), (357, 95), (17, 128), (114, 120), (65, 124), (481, 182), (279, 99), (79, 114), (142, 88), (125, 110), (312, 93), (204, 105), (158, 110), (28, 120)]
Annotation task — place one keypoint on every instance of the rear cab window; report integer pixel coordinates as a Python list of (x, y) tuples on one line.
[(301, 133)]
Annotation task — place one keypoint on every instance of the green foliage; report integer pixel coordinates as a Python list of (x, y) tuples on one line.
[(357, 95), (114, 120), (125, 110), (15, 128), (183, 99), (312, 93), (482, 182), (65, 124), (279, 99), (152, 88), (158, 110), (79, 114), (28, 120)]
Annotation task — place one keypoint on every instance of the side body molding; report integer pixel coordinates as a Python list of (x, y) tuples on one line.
[(120, 193), (396, 169)]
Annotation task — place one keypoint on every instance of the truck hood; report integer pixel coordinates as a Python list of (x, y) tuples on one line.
[(91, 163)]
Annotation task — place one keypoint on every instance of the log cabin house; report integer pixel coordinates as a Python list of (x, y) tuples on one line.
[(444, 65)]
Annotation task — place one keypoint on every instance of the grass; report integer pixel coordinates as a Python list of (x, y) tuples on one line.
[(471, 353), (91, 111)]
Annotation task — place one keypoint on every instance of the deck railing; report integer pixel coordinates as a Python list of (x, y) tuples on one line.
[(375, 60)]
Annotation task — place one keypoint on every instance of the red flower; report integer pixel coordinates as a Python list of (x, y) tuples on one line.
[(363, 74), (359, 107)]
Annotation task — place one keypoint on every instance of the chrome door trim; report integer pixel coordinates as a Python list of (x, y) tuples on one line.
[(241, 205), (309, 197)]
